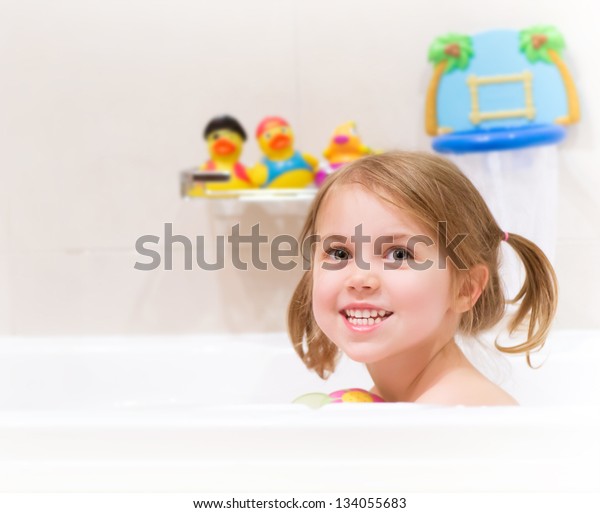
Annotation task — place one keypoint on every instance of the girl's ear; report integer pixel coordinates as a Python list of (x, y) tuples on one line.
[(473, 284)]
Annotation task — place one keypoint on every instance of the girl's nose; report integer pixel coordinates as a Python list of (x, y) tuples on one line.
[(363, 279)]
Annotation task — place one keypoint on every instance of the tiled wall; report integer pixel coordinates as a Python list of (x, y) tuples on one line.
[(103, 103)]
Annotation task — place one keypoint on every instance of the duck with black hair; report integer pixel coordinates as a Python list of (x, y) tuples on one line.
[(225, 137)]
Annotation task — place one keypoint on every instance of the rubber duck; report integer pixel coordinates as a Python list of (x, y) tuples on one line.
[(281, 166), (345, 146), (225, 137)]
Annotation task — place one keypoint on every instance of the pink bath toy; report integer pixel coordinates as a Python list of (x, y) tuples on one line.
[(354, 395), (346, 395)]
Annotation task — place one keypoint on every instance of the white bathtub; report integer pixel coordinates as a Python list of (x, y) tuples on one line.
[(213, 413)]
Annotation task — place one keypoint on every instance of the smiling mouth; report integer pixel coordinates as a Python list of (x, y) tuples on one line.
[(365, 317)]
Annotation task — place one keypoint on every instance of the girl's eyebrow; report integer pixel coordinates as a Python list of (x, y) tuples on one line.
[(398, 236), (393, 236), (334, 235)]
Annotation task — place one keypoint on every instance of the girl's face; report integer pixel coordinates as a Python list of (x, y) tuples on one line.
[(369, 311)]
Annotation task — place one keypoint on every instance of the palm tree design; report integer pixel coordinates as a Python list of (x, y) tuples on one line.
[(544, 43), (447, 53)]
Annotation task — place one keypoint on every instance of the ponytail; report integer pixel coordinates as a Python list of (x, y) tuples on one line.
[(538, 296)]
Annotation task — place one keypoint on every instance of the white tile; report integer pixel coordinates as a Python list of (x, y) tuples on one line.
[(4, 223), (5, 275), (99, 127), (100, 292), (177, 301), (578, 281), (579, 198), (357, 64), (6, 180), (218, 301), (72, 293), (5, 295), (196, 300), (229, 299), (212, 218)]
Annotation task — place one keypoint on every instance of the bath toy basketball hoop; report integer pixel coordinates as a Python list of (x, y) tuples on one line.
[(499, 90)]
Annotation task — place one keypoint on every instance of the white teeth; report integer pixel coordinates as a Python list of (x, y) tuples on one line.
[(360, 314), (364, 322), (366, 317)]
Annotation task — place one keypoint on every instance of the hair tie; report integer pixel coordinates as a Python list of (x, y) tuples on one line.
[(505, 238)]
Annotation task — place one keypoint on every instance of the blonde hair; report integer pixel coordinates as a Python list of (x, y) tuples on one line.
[(433, 189)]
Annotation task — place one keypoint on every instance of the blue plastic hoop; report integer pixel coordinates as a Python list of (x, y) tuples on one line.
[(499, 138)]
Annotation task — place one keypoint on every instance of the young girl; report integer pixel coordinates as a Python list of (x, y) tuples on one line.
[(406, 256)]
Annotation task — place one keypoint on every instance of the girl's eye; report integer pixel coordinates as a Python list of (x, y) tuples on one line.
[(215, 136), (338, 254), (399, 254)]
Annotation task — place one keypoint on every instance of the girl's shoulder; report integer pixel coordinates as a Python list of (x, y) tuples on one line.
[(466, 387)]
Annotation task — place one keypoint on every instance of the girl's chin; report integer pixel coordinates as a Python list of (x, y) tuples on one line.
[(364, 360), (363, 356)]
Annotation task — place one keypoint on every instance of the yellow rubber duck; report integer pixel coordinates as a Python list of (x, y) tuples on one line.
[(225, 138), (345, 146), (282, 166)]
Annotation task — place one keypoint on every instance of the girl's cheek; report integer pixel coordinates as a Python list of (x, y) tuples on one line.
[(323, 303), (322, 286), (324, 278), (422, 290)]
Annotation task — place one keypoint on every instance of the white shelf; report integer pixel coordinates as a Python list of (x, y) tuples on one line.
[(190, 178)]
